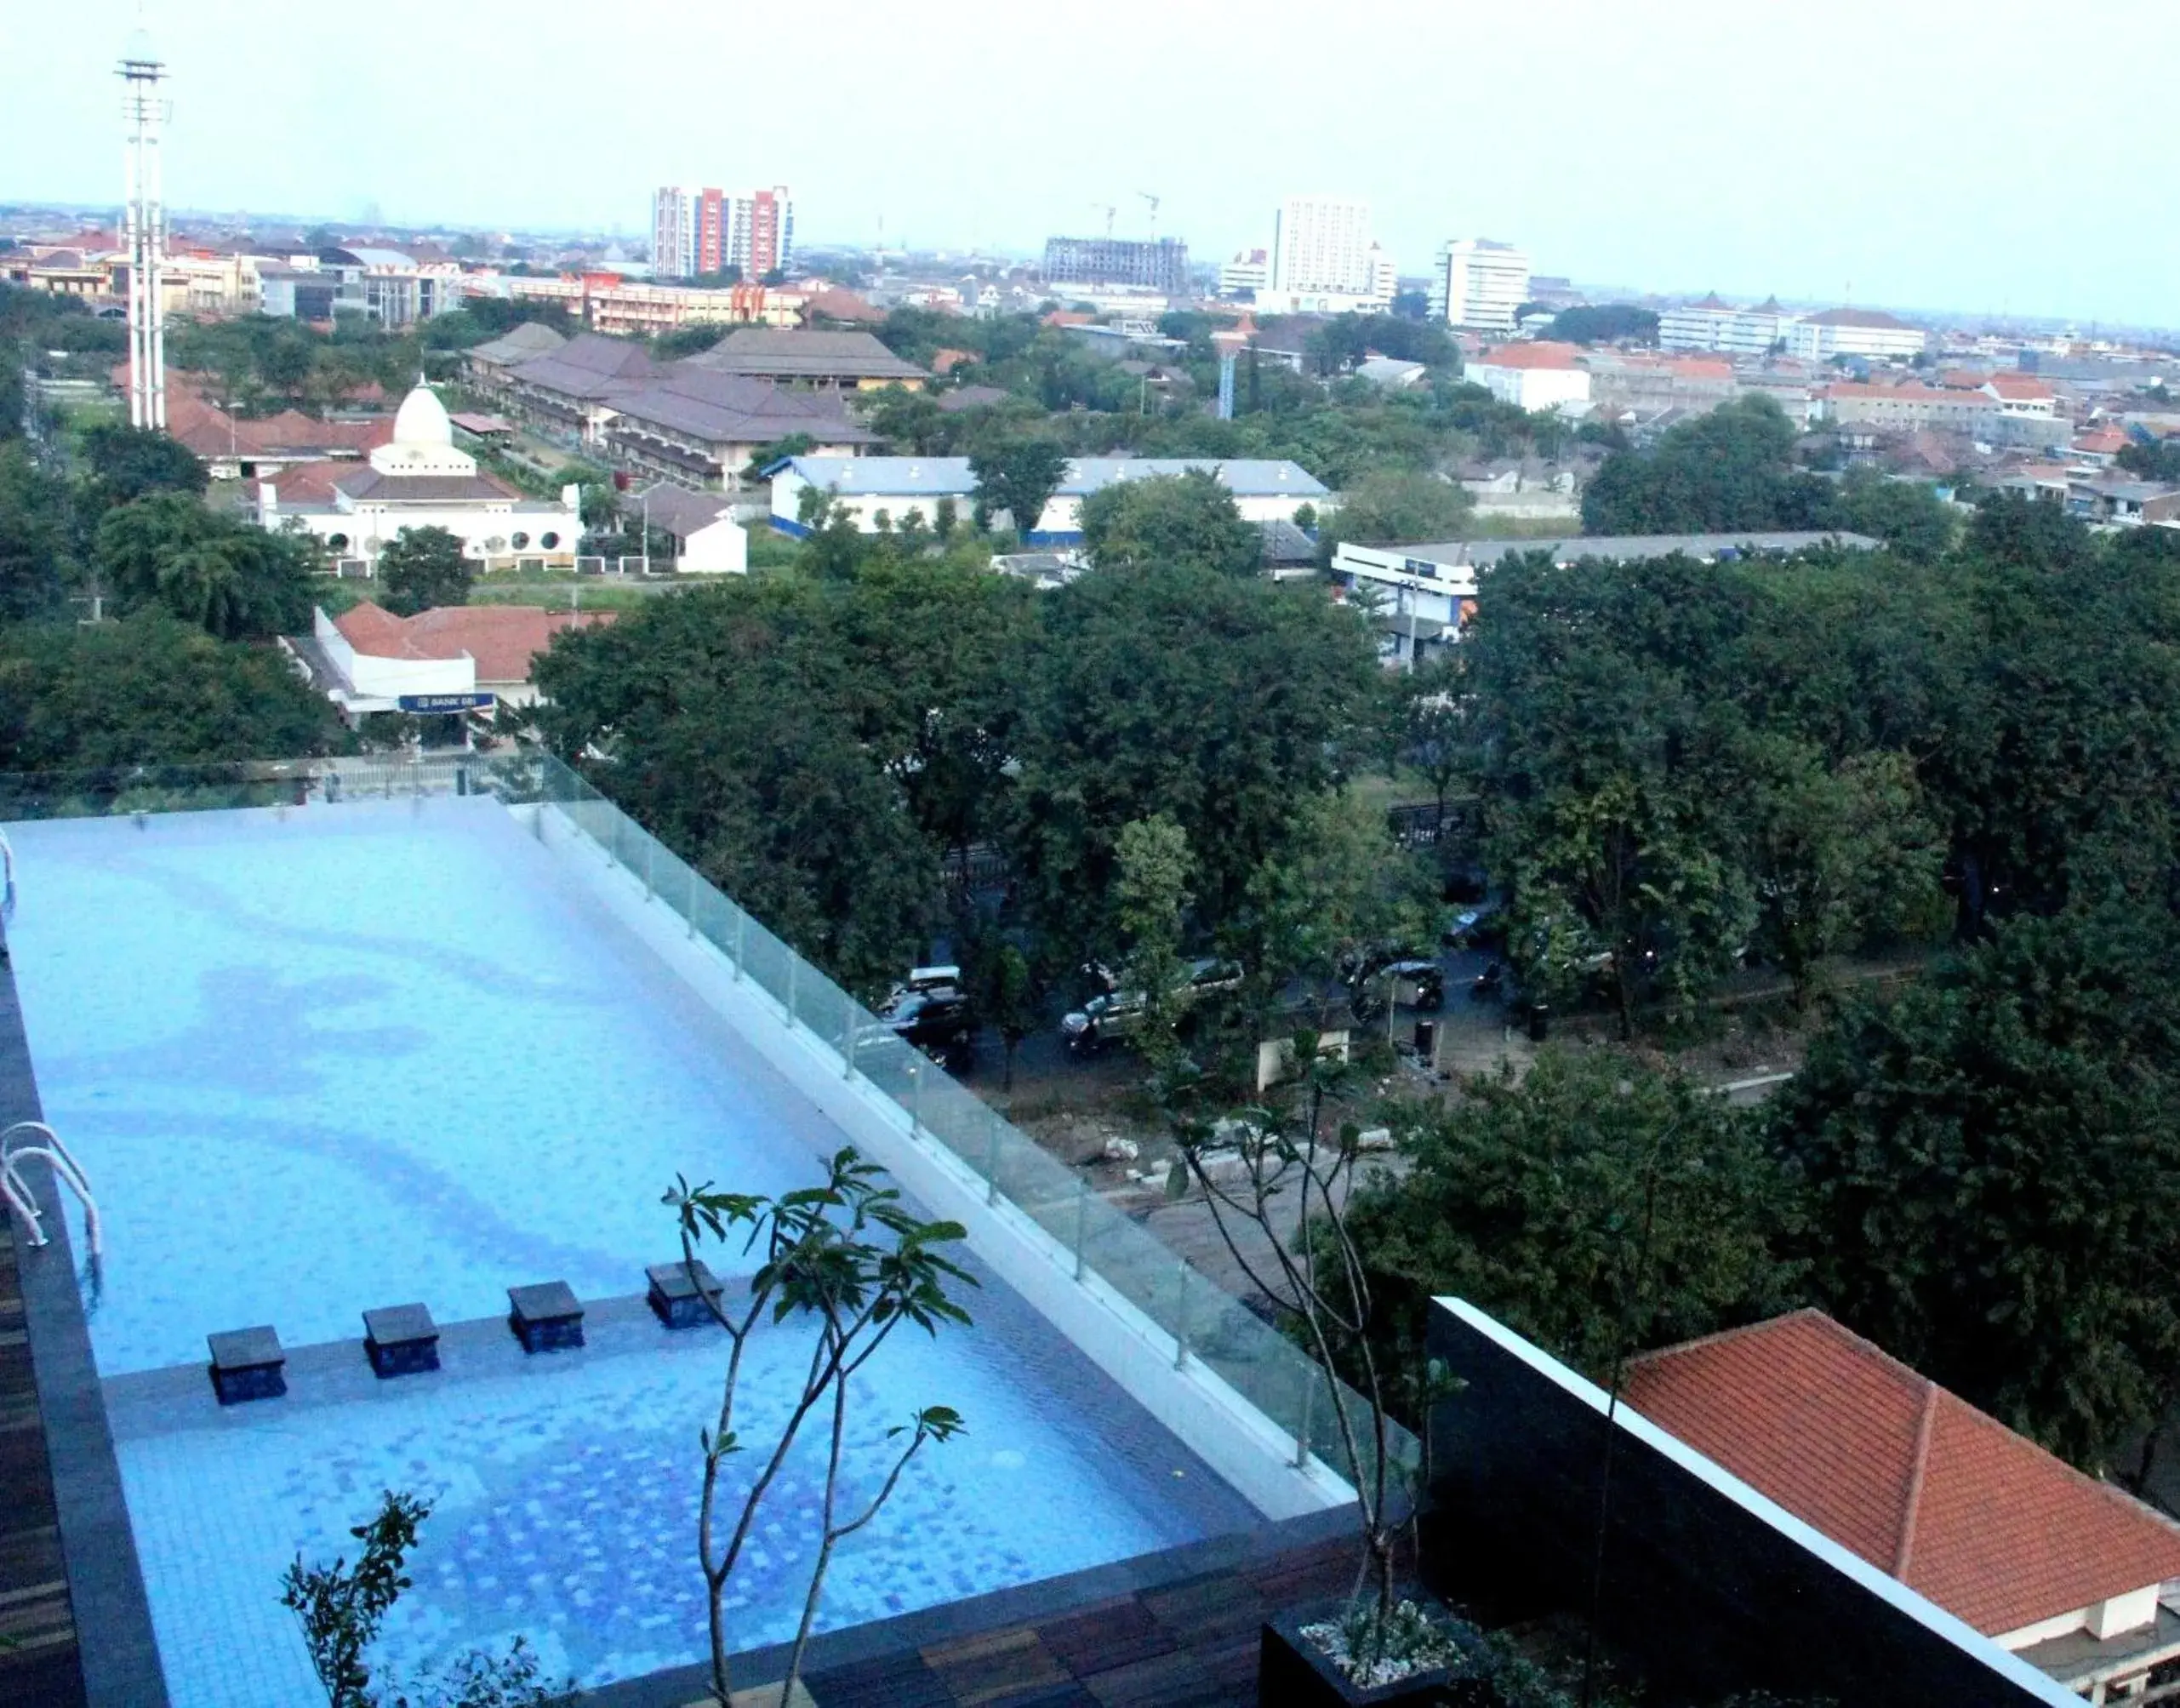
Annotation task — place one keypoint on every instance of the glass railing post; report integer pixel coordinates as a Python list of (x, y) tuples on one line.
[(847, 1030), (916, 1097), (1081, 1220), (994, 1129), (1304, 1429), (741, 940), (1181, 1315), (794, 967)]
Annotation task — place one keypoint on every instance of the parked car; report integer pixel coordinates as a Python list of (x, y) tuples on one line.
[(1414, 984), (1118, 1015), (931, 1011)]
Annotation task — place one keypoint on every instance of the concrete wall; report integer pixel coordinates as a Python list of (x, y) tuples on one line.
[(1715, 1586), (389, 679)]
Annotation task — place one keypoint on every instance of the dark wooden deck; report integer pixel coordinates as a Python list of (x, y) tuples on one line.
[(1191, 1644), (37, 1634)]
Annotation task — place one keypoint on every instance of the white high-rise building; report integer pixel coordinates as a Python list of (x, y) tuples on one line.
[(1479, 284), (1322, 244), (673, 232), (1323, 260)]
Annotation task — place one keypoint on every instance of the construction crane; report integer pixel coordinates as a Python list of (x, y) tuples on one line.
[(1153, 201), (1110, 211)]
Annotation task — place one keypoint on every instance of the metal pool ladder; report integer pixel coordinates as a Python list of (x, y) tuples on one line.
[(15, 1152)]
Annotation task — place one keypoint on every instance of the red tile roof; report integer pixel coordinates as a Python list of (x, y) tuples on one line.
[(1913, 1479), (503, 639), (2021, 386), (1539, 355)]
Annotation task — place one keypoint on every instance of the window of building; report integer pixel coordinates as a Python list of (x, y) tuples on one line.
[(548, 541), (338, 541), (521, 541)]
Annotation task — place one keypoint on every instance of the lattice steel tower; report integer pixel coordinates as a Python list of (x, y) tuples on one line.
[(144, 108)]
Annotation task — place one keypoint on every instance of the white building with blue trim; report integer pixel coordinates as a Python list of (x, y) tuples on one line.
[(865, 488)]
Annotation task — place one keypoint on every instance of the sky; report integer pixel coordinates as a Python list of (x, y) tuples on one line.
[(1980, 156)]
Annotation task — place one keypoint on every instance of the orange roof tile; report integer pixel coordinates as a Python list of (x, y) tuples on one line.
[(503, 639), (1913, 1479), (1541, 354)]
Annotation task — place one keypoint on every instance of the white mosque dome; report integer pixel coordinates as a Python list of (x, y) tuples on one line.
[(421, 420)]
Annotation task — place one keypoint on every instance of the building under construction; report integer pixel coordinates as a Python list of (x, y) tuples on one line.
[(1160, 264)]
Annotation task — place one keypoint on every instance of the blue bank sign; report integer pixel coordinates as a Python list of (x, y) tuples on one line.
[(445, 702)]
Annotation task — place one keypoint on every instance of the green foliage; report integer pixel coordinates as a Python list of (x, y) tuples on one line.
[(1389, 508), (1610, 323), (421, 569), (1993, 1168), (1336, 345), (1166, 520), (233, 579), (1020, 477), (1731, 469), (738, 725), (2156, 461), (847, 1261), (130, 463), (35, 520), (688, 340), (150, 690), (1596, 1206), (342, 1607), (1223, 703), (1150, 908)]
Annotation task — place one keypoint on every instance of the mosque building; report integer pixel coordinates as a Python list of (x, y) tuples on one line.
[(423, 479)]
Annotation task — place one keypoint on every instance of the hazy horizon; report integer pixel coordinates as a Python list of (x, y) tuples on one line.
[(1881, 155)]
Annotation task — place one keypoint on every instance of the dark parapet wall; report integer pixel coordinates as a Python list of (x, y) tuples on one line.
[(1711, 1587)]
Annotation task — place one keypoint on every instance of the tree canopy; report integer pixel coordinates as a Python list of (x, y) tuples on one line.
[(1020, 477), (1184, 519), (420, 569)]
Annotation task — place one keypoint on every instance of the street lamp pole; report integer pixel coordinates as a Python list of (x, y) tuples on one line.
[(647, 533)]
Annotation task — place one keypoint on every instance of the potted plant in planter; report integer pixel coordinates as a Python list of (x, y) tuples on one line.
[(1277, 1185)]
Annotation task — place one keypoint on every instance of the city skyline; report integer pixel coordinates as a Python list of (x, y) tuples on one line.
[(1752, 158)]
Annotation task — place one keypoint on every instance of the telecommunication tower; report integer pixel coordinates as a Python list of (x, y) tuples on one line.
[(144, 106)]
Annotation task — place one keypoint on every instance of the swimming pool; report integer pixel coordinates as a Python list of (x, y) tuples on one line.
[(319, 1060)]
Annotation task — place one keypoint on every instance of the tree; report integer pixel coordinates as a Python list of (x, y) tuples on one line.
[(1009, 1001), (1151, 898), (231, 579), (1731, 469), (150, 690), (423, 568), (130, 463), (1020, 477), (340, 1608), (1338, 888), (849, 1262), (1168, 520), (1842, 857), (736, 723), (35, 530), (1596, 1206), (1993, 1169), (1432, 735), (2159, 461), (1223, 703), (1388, 508), (1610, 323)]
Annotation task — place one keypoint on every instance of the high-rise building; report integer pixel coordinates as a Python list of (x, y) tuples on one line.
[(1321, 247), (673, 232), (1160, 264), (1479, 284), (707, 231)]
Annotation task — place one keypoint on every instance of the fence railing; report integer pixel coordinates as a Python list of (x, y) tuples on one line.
[(1186, 1316)]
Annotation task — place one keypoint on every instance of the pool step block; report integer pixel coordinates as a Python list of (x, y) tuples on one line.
[(401, 1340), (246, 1364), (547, 1317), (676, 1297)]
